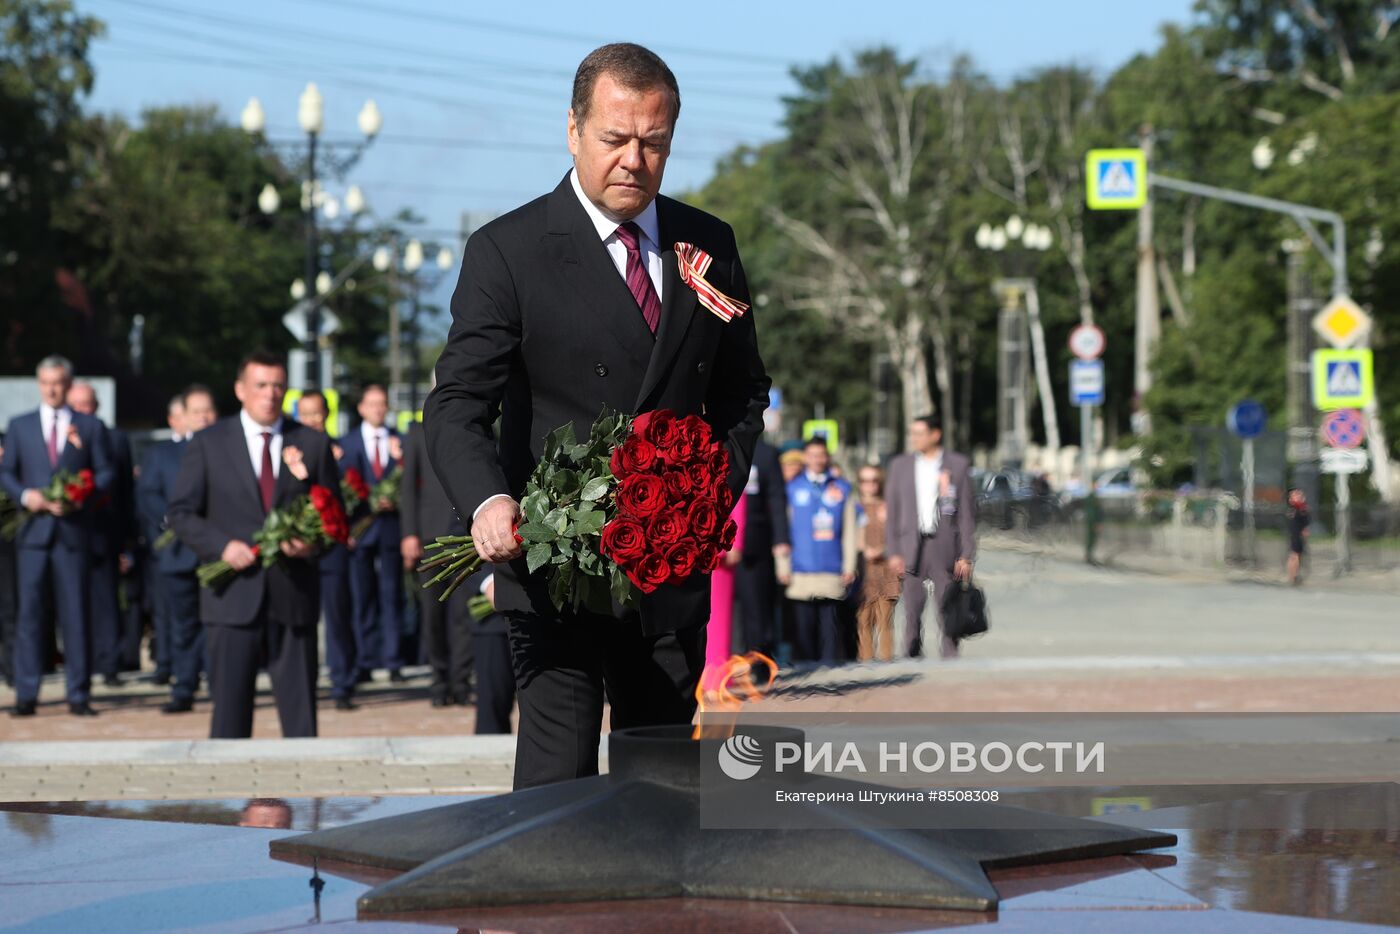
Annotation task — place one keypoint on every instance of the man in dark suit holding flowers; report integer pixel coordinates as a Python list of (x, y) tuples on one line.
[(570, 304)]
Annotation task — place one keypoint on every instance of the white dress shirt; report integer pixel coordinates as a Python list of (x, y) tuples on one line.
[(649, 242), (252, 433), (47, 414), (927, 475), (371, 435)]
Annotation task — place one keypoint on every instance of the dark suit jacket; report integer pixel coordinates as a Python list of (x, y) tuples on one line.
[(424, 509), (957, 533), (545, 332), (765, 522), (385, 527), (216, 500), (159, 470), (114, 526), (26, 466)]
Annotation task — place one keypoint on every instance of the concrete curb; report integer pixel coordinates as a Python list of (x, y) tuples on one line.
[(405, 750)]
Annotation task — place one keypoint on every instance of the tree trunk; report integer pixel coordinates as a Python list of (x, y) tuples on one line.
[(943, 373)]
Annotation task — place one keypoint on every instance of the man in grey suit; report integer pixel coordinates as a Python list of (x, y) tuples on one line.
[(931, 532)]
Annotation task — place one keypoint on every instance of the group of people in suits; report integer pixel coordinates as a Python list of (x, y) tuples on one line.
[(199, 497)]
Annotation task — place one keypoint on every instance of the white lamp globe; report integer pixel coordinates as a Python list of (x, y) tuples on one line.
[(323, 283), (413, 256), (311, 110), (984, 236), (269, 200), (355, 200), (331, 208), (1015, 227), (252, 119), (382, 259), (370, 120), (444, 259), (997, 239), (298, 290)]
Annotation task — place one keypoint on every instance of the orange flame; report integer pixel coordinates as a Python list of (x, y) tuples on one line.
[(730, 686)]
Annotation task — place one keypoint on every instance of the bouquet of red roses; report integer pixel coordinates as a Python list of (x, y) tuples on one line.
[(353, 490), (640, 504), (386, 489), (70, 489), (316, 519)]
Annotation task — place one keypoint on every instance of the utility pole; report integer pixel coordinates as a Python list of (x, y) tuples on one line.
[(1149, 310)]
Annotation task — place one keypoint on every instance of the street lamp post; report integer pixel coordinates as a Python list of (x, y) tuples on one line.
[(1014, 243), (311, 118)]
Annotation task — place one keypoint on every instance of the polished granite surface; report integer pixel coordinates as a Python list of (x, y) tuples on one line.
[(1320, 859)]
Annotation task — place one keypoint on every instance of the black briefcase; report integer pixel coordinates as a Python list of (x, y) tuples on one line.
[(964, 611)]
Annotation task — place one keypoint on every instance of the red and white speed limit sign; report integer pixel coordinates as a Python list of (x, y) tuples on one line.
[(1087, 342)]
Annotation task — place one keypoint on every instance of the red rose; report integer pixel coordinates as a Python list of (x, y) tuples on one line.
[(719, 461), (678, 485), (357, 483), (85, 477), (722, 497), (697, 431), (650, 573), (682, 557), (726, 537), (667, 528), (704, 520), (624, 540), (709, 559), (321, 498), (702, 478), (658, 427), (641, 495), (635, 455)]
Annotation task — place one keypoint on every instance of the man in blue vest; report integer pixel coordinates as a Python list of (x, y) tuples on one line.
[(822, 566), (178, 627), (53, 544)]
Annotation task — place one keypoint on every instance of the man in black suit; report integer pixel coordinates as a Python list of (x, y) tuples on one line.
[(179, 635), (425, 513), (9, 588), (569, 304), (495, 682), (54, 543), (233, 474), (765, 534), (376, 568), (112, 545), (313, 412)]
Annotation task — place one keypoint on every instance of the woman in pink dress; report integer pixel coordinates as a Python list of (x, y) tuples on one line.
[(721, 626)]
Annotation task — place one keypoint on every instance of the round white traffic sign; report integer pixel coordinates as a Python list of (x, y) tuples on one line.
[(1087, 342)]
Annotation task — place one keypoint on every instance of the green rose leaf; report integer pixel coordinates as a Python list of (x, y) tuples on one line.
[(537, 556), (595, 489)]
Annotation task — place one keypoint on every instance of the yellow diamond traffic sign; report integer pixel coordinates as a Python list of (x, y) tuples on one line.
[(1342, 323)]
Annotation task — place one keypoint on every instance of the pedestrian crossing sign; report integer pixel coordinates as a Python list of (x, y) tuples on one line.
[(1116, 179), (1342, 379)]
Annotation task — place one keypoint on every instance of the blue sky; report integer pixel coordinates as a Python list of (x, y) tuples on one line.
[(474, 96)]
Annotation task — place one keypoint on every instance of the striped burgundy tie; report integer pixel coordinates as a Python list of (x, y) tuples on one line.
[(638, 279)]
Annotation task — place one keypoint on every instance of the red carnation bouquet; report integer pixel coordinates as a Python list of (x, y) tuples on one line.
[(317, 519), (639, 505), (70, 489)]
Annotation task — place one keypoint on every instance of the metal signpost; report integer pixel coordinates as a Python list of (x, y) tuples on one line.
[(1246, 421), (1087, 343), (1344, 430)]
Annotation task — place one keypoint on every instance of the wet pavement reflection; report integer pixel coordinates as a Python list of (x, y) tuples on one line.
[(1275, 860)]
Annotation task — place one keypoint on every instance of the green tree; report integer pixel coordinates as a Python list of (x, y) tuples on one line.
[(44, 73)]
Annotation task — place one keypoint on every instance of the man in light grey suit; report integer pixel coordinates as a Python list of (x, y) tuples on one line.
[(931, 530)]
